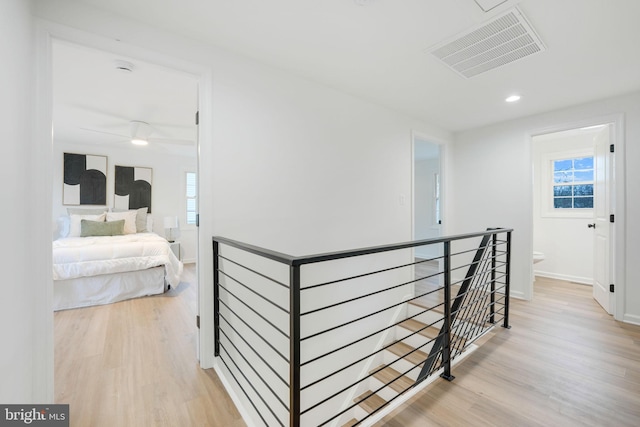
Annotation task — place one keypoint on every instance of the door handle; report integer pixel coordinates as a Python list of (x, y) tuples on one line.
[(591, 225)]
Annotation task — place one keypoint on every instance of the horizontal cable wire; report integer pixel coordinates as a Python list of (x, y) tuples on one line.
[(254, 292), (375, 333), (369, 355), (243, 391), (376, 391), (251, 385), (368, 274), (251, 328), (370, 374), (253, 271), (475, 275), (357, 298), (390, 400), (368, 315), (285, 406), (253, 310)]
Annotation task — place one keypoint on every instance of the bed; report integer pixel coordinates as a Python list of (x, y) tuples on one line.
[(91, 269)]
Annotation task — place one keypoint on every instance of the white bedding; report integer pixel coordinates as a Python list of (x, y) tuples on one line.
[(75, 257)]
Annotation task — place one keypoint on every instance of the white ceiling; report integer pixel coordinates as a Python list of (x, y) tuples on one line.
[(376, 49), (93, 102)]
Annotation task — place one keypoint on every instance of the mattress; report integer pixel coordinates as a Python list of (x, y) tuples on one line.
[(76, 257)]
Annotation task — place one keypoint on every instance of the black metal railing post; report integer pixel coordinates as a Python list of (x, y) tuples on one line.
[(216, 298), (507, 283), (446, 348), (294, 343), (494, 252)]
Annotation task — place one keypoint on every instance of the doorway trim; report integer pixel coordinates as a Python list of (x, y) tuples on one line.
[(45, 33), (618, 201), (443, 178)]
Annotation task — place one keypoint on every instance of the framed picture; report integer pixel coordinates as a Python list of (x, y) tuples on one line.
[(85, 179), (132, 187)]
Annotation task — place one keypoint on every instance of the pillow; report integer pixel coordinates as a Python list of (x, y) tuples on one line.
[(85, 211), (141, 218), (129, 220), (63, 224), (74, 228), (101, 228)]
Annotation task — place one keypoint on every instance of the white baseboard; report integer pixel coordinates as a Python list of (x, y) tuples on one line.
[(517, 294), (221, 370), (631, 318), (566, 277)]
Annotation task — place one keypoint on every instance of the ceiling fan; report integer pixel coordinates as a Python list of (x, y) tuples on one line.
[(141, 133)]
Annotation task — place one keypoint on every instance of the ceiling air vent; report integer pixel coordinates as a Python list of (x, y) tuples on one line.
[(504, 39)]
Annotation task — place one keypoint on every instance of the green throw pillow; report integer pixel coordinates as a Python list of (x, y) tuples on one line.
[(101, 228)]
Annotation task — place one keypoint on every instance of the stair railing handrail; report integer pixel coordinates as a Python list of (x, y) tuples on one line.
[(330, 256), (295, 262)]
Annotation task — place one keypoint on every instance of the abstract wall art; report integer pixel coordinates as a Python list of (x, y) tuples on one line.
[(85, 179), (132, 187)]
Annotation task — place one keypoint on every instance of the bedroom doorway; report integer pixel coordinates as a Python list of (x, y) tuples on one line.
[(102, 101)]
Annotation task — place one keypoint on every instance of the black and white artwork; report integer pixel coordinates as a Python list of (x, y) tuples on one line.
[(85, 179), (132, 187)]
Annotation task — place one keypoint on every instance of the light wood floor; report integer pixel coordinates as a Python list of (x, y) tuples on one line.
[(565, 362), (133, 364)]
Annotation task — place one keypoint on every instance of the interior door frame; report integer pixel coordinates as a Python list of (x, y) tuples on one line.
[(416, 135), (601, 222), (46, 32), (617, 204)]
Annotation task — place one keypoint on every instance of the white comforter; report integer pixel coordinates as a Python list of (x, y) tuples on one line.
[(91, 256)]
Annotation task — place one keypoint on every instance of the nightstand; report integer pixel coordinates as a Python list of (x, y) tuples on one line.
[(175, 248)]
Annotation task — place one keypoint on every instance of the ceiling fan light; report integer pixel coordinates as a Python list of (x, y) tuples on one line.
[(139, 141)]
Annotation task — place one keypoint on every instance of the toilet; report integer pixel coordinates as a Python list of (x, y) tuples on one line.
[(537, 257)]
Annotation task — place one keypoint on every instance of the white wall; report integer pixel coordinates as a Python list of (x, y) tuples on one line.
[(167, 187), (492, 185), (564, 238), (292, 165), (20, 361)]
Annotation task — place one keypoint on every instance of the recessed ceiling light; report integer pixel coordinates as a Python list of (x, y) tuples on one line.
[(139, 141), (513, 98)]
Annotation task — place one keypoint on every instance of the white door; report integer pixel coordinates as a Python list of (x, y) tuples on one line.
[(602, 225)]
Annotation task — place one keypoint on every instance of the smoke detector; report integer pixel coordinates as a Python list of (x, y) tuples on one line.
[(506, 38), (124, 66)]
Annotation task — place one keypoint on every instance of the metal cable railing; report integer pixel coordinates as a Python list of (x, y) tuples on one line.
[(307, 339)]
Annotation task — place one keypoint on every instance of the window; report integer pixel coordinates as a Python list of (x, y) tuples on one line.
[(573, 183), (191, 195)]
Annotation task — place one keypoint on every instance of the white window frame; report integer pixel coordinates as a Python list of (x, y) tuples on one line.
[(437, 208), (546, 187), (187, 198)]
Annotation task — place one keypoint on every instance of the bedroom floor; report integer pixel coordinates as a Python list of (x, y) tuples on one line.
[(133, 363)]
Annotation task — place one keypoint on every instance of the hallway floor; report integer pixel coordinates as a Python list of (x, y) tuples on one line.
[(565, 362)]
